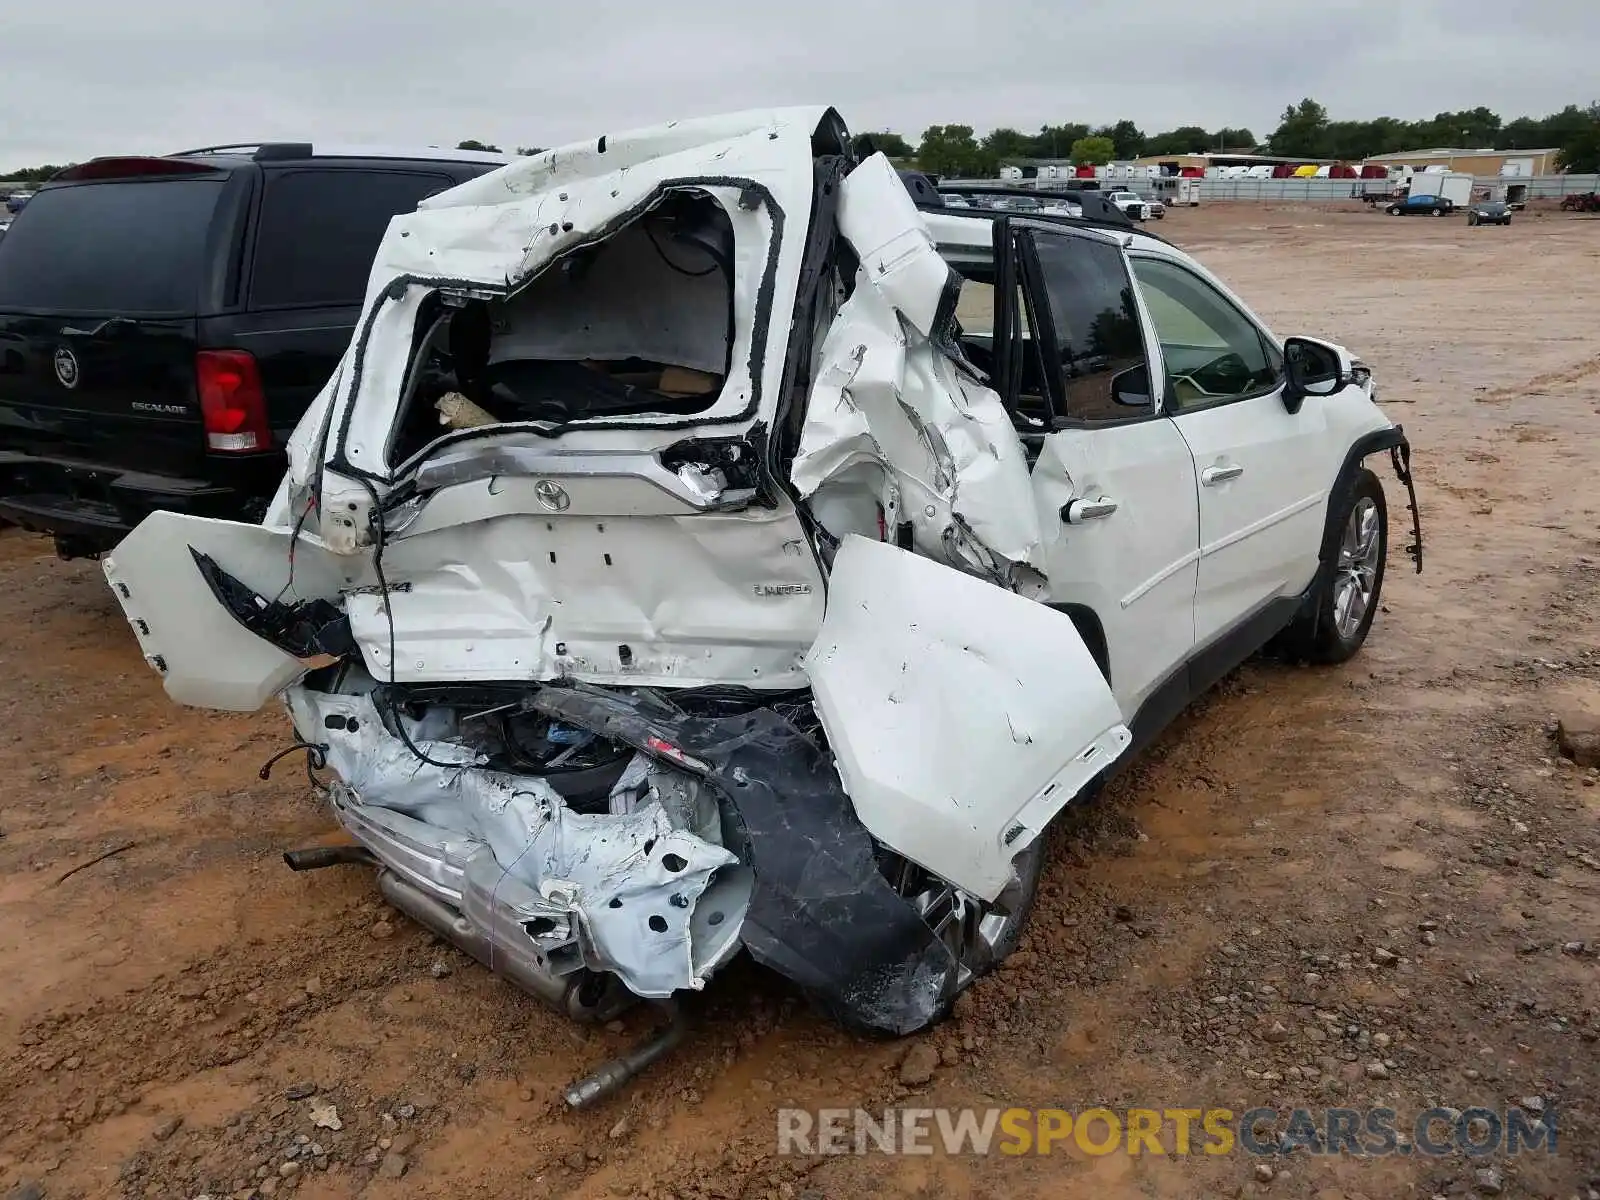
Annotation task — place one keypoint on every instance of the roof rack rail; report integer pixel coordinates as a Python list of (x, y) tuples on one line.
[(217, 149), (256, 150), (1108, 215), (267, 151)]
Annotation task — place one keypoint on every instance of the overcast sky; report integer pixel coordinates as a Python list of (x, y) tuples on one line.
[(87, 77)]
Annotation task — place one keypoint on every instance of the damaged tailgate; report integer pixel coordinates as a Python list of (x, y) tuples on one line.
[(963, 716)]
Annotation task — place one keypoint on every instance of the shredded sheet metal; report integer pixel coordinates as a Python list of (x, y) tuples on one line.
[(628, 881), (894, 416)]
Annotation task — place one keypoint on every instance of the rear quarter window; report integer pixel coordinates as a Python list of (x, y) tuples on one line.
[(128, 247), (320, 229)]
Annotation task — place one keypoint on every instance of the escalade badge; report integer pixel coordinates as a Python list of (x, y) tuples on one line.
[(66, 367), (552, 495)]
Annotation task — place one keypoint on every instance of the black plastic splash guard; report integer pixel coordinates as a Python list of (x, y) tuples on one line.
[(822, 914)]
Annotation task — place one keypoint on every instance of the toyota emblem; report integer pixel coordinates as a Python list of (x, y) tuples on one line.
[(552, 495), (66, 363)]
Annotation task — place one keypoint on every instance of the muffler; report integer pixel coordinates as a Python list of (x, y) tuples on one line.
[(582, 994)]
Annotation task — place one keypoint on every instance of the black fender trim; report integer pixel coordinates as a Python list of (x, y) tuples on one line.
[(821, 913), (1400, 459), (1392, 439)]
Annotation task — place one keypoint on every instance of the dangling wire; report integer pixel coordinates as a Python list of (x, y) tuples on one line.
[(316, 757), (379, 542)]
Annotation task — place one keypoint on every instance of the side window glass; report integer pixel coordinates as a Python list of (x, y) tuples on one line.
[(1098, 349), (976, 314), (320, 229), (1212, 352)]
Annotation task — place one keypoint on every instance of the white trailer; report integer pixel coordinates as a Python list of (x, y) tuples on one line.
[(1454, 186), (1176, 190)]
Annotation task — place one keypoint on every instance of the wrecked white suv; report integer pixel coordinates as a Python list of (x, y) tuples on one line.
[(710, 542)]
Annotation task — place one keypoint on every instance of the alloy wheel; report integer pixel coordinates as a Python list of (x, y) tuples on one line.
[(979, 933), (1357, 572)]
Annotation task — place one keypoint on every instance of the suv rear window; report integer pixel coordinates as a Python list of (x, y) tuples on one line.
[(320, 230), (127, 247)]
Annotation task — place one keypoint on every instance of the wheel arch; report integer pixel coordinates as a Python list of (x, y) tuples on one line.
[(1364, 446)]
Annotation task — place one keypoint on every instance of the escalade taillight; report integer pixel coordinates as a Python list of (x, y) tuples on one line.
[(232, 404)]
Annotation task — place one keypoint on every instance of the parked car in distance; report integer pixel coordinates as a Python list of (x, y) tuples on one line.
[(17, 201), (1437, 206), (1489, 212), (1135, 206), (1155, 208), (1581, 202), (170, 318)]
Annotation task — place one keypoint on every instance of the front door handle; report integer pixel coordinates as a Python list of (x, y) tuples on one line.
[(1212, 476), (1076, 512)]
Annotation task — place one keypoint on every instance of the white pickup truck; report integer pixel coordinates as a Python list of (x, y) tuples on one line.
[(1137, 207)]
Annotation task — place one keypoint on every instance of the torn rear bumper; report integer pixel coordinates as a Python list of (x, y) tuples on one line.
[(574, 907)]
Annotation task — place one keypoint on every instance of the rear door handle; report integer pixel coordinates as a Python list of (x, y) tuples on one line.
[(1212, 476), (1076, 512)]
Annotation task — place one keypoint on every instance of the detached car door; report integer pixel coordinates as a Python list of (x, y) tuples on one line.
[(1262, 472), (1114, 480)]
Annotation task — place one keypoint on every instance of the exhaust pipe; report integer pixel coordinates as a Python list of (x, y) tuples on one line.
[(611, 1077), (314, 858)]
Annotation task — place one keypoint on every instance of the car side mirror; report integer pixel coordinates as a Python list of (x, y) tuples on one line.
[(1131, 388), (1311, 368)]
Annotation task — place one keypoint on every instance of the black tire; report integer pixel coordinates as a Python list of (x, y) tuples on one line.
[(1439, 212), (1315, 634)]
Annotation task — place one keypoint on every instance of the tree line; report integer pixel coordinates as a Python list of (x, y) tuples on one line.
[(1304, 131)]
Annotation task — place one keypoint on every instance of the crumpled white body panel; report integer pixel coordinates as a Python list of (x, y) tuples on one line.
[(205, 657), (653, 600), (893, 419), (963, 716)]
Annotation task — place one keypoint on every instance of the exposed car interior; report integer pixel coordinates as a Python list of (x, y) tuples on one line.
[(638, 324)]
